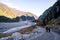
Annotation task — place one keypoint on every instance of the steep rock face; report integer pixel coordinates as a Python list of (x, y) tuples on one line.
[(25, 18), (30, 18), (51, 13)]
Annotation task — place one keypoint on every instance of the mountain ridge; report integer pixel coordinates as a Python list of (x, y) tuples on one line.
[(52, 12), (12, 12)]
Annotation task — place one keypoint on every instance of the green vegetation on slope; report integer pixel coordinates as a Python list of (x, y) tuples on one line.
[(5, 35), (27, 30)]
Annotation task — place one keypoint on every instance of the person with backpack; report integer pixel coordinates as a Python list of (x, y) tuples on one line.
[(47, 29)]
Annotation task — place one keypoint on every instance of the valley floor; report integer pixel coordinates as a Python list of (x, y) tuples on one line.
[(39, 34)]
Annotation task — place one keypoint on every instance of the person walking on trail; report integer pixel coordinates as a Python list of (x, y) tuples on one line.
[(47, 29)]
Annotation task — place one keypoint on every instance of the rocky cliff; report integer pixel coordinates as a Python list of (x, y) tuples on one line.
[(52, 12)]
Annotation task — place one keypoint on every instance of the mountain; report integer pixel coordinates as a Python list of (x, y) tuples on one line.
[(20, 13), (54, 21), (51, 13), (13, 13), (24, 18), (5, 11), (6, 19)]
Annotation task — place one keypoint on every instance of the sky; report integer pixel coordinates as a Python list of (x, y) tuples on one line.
[(36, 7)]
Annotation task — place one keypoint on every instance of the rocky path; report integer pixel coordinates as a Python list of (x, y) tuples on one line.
[(47, 36)]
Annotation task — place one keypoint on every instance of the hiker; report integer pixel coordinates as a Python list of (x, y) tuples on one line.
[(47, 29)]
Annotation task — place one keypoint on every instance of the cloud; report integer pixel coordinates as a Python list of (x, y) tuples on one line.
[(8, 4), (4, 0), (11, 5)]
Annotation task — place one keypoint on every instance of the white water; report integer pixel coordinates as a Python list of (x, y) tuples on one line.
[(18, 27)]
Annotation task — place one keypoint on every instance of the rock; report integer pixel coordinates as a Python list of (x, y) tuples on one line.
[(52, 12), (16, 36)]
